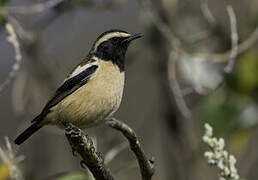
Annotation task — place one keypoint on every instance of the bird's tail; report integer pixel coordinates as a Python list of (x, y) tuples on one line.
[(29, 131)]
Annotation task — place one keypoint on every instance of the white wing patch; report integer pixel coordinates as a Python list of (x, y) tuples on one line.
[(81, 68)]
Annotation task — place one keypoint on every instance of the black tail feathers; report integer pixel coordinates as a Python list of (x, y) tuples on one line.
[(29, 131)]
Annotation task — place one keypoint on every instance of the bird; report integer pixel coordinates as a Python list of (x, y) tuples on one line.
[(93, 91)]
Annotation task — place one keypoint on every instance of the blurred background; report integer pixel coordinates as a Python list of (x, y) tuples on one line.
[(197, 63)]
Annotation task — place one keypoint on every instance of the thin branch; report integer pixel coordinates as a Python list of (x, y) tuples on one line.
[(176, 43), (111, 154), (225, 57), (161, 25), (12, 38), (234, 39), (11, 161), (176, 49), (207, 13), (37, 8), (21, 33), (174, 85), (83, 145), (146, 165)]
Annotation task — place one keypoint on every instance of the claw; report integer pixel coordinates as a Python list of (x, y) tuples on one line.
[(74, 152), (92, 149), (66, 125), (90, 141), (152, 160), (101, 168), (83, 164), (100, 156)]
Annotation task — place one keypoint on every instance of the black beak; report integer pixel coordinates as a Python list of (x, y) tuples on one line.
[(132, 37)]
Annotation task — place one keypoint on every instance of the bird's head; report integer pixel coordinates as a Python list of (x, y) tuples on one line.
[(112, 45)]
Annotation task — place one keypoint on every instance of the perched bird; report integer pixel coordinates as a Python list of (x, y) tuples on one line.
[(92, 92)]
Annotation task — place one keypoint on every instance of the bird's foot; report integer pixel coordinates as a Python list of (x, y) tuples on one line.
[(74, 152), (83, 164), (101, 157), (71, 130)]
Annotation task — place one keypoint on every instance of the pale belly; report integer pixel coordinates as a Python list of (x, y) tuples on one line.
[(90, 104)]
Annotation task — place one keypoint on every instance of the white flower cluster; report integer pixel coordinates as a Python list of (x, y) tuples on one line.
[(219, 157)]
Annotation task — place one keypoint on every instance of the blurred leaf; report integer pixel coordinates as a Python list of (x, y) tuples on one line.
[(77, 2), (221, 110), (73, 176), (246, 72), (2, 19), (4, 172), (238, 141), (3, 2)]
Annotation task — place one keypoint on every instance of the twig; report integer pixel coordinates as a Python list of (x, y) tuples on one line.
[(207, 13), (174, 86), (111, 154), (21, 33), (161, 25), (12, 38), (176, 49), (234, 39), (176, 43), (225, 57), (37, 8), (146, 165), (11, 160), (83, 145)]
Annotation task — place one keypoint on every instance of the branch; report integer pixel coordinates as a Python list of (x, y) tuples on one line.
[(83, 145), (234, 39), (37, 8), (146, 165), (161, 25), (225, 57), (177, 45), (11, 160), (174, 86), (22, 35), (207, 13), (12, 38), (112, 153), (175, 51)]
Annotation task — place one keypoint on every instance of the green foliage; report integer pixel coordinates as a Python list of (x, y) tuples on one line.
[(246, 72), (220, 110), (77, 2), (224, 108), (3, 2), (2, 19), (72, 176), (244, 79)]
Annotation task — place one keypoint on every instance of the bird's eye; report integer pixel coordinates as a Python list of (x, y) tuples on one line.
[(115, 39)]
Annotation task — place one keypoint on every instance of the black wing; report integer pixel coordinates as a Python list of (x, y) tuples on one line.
[(68, 87)]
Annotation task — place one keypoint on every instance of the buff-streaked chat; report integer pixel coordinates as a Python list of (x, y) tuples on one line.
[(92, 92)]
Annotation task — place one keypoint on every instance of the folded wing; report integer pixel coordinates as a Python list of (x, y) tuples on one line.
[(70, 85)]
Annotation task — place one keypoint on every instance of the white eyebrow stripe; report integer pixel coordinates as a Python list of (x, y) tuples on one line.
[(108, 36)]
